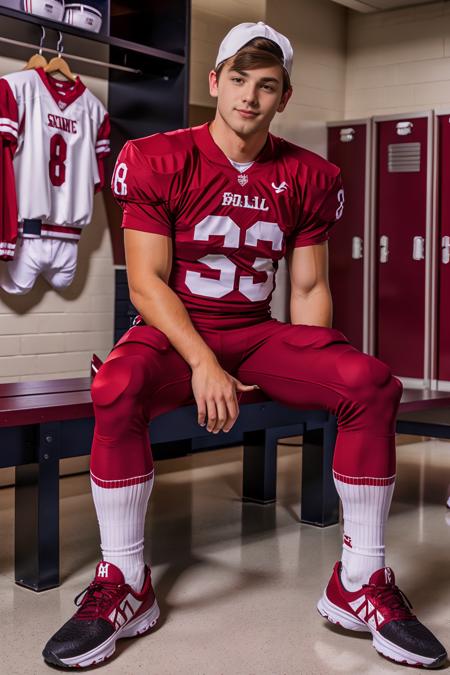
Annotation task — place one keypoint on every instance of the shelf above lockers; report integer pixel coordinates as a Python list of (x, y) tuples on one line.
[(119, 42)]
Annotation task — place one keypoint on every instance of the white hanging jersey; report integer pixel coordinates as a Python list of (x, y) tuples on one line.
[(62, 133)]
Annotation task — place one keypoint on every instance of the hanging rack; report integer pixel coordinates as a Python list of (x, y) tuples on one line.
[(42, 40), (74, 57)]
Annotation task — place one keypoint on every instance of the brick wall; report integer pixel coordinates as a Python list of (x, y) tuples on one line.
[(398, 61)]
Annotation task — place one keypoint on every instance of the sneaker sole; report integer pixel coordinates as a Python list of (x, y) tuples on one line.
[(137, 626), (340, 617)]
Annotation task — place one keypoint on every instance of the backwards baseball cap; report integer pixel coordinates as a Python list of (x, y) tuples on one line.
[(244, 32)]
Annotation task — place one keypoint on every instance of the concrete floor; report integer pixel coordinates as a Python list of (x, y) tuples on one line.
[(237, 584)]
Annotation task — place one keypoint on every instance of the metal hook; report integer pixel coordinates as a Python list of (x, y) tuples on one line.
[(41, 43), (59, 45)]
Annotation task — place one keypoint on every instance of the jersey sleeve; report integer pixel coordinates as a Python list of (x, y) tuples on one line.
[(143, 193), (102, 150), (322, 207), (9, 114), (9, 131), (8, 203)]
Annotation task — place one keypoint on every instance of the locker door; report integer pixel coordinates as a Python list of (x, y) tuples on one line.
[(401, 215), (347, 149), (443, 261)]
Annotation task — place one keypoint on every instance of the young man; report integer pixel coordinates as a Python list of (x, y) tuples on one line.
[(208, 213)]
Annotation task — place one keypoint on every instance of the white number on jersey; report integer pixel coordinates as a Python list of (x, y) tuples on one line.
[(58, 156), (217, 288), (340, 208), (120, 187)]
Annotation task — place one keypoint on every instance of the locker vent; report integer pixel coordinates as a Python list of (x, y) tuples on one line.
[(403, 157)]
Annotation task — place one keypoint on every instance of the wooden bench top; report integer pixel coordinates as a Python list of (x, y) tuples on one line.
[(51, 400), (423, 399), (34, 402), (10, 389)]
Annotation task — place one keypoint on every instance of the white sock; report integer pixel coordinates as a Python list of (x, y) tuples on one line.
[(121, 506), (365, 505)]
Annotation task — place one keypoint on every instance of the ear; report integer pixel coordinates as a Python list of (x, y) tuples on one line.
[(213, 84), (284, 100)]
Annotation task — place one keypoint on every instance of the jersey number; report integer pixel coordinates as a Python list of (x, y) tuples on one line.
[(225, 226), (340, 208), (58, 155), (120, 173), (217, 288)]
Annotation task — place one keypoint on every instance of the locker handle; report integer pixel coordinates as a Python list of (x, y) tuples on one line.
[(446, 250), (418, 248), (384, 248), (357, 248)]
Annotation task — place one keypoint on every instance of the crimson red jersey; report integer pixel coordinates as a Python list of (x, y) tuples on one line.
[(229, 228)]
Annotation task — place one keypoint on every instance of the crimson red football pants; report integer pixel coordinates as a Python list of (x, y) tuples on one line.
[(307, 367)]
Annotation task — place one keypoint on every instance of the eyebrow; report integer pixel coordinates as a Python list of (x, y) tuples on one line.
[(262, 79)]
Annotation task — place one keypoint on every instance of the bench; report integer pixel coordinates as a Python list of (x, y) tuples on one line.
[(43, 422)]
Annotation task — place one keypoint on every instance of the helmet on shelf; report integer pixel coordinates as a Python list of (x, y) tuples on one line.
[(50, 9), (83, 16)]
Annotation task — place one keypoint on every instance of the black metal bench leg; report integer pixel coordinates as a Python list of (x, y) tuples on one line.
[(319, 501), (260, 467), (37, 525)]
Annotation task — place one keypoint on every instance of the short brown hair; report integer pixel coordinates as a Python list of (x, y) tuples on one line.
[(258, 53)]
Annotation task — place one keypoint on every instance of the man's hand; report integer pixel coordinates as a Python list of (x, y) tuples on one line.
[(215, 394)]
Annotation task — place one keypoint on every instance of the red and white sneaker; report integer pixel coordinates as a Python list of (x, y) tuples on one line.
[(381, 608), (109, 609)]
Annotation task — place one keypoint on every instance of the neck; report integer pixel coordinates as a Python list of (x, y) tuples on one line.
[(236, 147)]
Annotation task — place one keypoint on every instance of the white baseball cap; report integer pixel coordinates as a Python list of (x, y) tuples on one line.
[(244, 32)]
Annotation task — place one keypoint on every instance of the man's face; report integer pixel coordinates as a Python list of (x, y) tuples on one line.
[(248, 100)]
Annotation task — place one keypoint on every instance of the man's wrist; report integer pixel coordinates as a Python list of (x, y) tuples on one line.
[(201, 357)]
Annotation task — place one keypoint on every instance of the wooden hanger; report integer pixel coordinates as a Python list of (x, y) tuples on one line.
[(37, 60), (60, 65)]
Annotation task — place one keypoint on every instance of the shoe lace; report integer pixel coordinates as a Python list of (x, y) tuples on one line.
[(95, 598), (392, 598)]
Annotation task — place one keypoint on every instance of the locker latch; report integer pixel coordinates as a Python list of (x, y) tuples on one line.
[(445, 250), (418, 248), (346, 135), (404, 128), (357, 248), (384, 248)]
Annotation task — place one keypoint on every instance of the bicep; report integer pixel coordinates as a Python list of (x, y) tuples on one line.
[(147, 254), (308, 267)]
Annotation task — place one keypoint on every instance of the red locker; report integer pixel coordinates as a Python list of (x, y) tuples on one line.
[(348, 148), (402, 220), (443, 249)]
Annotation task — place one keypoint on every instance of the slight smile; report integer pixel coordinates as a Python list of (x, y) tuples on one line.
[(246, 113)]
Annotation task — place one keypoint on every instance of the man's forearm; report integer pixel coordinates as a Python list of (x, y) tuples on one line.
[(312, 309), (161, 307)]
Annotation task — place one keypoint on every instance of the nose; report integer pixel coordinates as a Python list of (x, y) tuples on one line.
[(249, 94)]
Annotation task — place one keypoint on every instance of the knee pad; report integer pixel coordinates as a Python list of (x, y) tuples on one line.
[(361, 371), (118, 377)]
